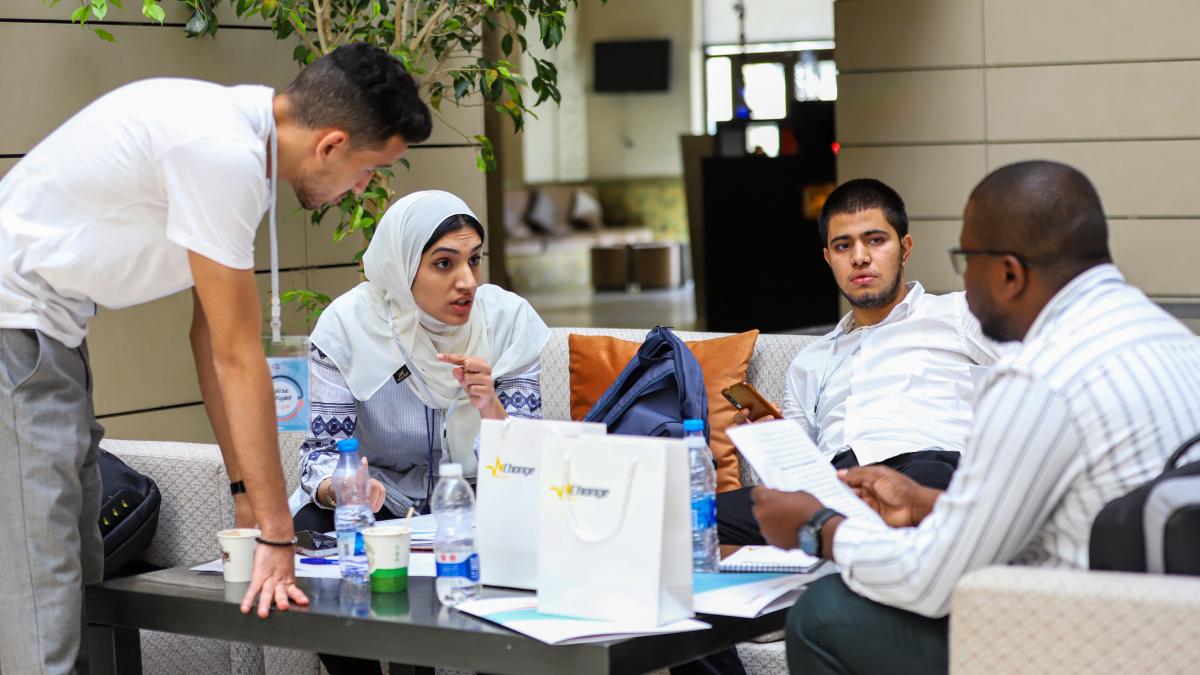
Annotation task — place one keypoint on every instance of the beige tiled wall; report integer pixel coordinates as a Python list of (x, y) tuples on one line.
[(145, 382), (933, 94), (907, 34)]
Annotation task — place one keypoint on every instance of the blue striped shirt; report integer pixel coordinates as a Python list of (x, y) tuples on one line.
[(1105, 387)]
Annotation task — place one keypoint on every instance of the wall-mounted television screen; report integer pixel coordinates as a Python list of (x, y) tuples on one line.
[(628, 66)]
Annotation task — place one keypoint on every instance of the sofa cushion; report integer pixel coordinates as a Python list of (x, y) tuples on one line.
[(596, 361), (516, 206), (541, 215), (586, 213), (772, 355)]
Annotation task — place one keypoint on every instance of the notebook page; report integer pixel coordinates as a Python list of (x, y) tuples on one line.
[(748, 557)]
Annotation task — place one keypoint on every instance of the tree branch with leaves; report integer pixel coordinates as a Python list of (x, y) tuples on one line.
[(438, 41)]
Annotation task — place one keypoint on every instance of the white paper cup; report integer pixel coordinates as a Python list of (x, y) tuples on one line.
[(237, 553), (387, 557)]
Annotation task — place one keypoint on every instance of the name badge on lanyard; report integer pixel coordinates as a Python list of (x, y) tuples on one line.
[(287, 361)]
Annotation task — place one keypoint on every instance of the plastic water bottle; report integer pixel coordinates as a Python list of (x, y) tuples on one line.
[(351, 489), (453, 504), (705, 556)]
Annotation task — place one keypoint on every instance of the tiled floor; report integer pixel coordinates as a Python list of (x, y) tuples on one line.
[(645, 309)]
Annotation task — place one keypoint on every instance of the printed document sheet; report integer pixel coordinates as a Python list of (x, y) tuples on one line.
[(424, 529), (419, 565), (748, 595), (519, 613), (786, 459)]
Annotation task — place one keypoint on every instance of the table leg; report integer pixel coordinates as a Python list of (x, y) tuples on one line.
[(113, 650)]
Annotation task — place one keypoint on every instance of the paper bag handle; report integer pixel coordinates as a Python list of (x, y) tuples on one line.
[(597, 537), (554, 429)]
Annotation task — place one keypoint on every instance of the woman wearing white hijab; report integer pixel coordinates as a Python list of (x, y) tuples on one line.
[(410, 360)]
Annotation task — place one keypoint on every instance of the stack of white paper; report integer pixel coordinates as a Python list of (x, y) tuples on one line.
[(751, 594), (419, 565), (519, 613), (424, 529)]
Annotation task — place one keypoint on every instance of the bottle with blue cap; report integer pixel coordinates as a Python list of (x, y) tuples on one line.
[(351, 482), (705, 555)]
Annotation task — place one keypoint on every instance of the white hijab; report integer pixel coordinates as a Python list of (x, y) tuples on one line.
[(376, 328)]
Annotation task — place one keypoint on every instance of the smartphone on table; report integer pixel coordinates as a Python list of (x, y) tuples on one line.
[(315, 544), (744, 396)]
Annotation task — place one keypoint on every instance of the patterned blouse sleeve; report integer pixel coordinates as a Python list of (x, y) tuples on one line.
[(333, 417), (520, 392)]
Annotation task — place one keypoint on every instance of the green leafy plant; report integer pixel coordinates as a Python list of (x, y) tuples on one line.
[(439, 41)]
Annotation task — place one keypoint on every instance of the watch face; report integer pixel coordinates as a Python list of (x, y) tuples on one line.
[(808, 540)]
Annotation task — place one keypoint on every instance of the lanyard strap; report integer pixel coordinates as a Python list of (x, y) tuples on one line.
[(276, 324), (415, 376)]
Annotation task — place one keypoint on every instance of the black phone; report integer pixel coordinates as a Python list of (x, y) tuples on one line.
[(315, 544)]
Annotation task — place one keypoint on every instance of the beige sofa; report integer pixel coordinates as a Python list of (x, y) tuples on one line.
[(1004, 620)]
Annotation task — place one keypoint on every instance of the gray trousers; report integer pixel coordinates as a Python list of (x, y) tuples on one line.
[(50, 545)]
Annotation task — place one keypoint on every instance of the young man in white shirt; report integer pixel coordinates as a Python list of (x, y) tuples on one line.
[(1105, 385), (156, 187), (893, 382)]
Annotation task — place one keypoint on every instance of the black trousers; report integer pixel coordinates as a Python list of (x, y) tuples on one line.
[(735, 516), (832, 629)]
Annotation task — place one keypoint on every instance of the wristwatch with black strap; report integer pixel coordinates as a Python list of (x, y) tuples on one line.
[(810, 532)]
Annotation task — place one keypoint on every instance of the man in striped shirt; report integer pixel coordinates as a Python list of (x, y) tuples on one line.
[(1105, 386)]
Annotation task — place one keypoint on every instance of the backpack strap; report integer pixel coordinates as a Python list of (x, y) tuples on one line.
[(1187, 445)]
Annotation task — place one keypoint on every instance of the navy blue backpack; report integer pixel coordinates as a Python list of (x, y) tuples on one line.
[(662, 386)]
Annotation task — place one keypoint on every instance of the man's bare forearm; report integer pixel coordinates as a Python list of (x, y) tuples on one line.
[(210, 389), (227, 337), (245, 389)]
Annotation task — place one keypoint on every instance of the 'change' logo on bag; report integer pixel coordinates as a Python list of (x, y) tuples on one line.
[(502, 470), (571, 491)]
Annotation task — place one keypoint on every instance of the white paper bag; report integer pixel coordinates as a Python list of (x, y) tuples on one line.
[(506, 511), (615, 541)]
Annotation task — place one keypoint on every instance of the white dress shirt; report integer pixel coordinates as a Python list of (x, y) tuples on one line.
[(1105, 387), (902, 385)]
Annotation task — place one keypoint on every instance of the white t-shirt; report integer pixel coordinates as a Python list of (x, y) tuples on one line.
[(104, 210)]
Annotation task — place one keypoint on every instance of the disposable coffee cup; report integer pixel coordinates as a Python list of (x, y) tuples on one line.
[(237, 553), (387, 557)]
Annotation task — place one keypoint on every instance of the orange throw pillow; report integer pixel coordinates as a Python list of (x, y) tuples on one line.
[(597, 360)]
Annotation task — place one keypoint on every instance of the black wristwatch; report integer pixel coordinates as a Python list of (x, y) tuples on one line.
[(810, 532)]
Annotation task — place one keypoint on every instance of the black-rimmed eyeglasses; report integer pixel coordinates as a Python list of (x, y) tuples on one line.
[(958, 257)]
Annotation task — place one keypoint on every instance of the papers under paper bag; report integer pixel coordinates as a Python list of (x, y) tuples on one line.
[(615, 542)]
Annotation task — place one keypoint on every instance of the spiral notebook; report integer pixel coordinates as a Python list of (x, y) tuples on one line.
[(770, 559)]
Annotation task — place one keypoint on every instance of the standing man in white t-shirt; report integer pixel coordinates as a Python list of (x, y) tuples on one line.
[(156, 187)]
